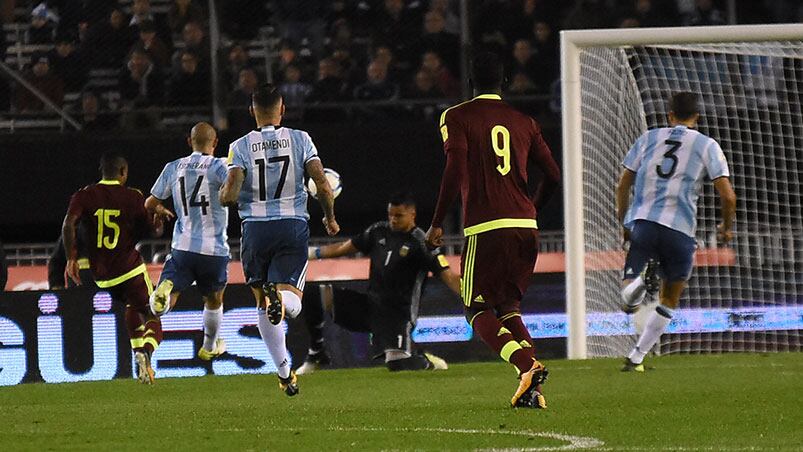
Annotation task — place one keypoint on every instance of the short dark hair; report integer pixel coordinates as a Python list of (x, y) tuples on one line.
[(266, 97), (402, 198), (684, 105), (487, 71), (111, 163)]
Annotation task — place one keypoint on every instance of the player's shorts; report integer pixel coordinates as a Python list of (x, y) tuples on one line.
[(275, 251), (210, 273), (390, 326), (673, 250), (133, 292), (496, 267)]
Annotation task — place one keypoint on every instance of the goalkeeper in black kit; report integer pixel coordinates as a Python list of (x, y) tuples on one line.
[(400, 262)]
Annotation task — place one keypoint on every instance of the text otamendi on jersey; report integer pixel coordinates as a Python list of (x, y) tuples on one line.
[(270, 144)]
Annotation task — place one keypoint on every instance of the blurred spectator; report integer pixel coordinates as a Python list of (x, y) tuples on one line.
[(523, 61), (91, 120), (43, 25), (424, 86), (330, 86), (67, 64), (239, 118), (293, 89), (141, 87), (521, 84), (300, 23), (183, 11), (236, 60), (436, 38), (194, 37), (287, 56), (107, 43), (446, 82), (705, 13), (41, 78), (546, 54), (447, 8), (629, 21), (384, 55), (399, 25), (151, 44), (190, 85), (140, 12), (377, 86)]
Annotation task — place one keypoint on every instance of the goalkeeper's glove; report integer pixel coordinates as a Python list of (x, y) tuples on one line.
[(313, 253)]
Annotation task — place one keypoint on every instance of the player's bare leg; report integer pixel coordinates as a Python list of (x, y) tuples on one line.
[(656, 324), (213, 345), (274, 338)]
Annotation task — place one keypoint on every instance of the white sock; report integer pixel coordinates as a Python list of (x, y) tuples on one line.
[(292, 304), (273, 337), (655, 327), (634, 293), (212, 319), (393, 355)]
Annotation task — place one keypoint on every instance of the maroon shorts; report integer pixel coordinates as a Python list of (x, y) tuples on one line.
[(497, 266), (133, 292)]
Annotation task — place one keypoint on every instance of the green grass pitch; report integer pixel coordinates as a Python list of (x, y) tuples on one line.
[(711, 402)]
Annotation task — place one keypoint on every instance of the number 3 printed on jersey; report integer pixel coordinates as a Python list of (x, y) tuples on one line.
[(500, 133)]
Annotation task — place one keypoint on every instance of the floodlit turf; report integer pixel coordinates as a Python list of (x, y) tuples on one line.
[(715, 402)]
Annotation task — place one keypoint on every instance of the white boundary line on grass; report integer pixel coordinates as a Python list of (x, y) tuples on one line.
[(575, 442)]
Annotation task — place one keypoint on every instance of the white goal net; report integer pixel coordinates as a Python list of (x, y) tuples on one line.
[(744, 296)]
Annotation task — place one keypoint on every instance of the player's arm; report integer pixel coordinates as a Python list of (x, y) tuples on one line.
[(339, 249), (452, 280), (326, 197), (56, 266), (623, 199), (155, 206), (68, 234), (455, 145), (230, 190), (541, 155), (727, 199)]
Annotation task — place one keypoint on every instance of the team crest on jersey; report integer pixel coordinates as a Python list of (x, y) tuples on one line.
[(382, 242), (404, 250)]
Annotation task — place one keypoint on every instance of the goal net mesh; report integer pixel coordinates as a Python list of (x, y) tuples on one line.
[(744, 296)]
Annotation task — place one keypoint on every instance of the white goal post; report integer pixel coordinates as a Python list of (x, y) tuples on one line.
[(688, 48)]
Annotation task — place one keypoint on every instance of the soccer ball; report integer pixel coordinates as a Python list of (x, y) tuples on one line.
[(334, 181)]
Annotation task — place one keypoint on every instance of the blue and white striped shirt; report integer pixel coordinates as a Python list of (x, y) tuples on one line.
[(201, 221), (670, 164), (274, 159)]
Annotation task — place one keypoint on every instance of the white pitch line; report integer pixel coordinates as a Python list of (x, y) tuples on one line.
[(575, 442)]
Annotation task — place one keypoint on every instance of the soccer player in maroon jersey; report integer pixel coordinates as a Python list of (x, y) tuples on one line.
[(115, 219), (488, 147)]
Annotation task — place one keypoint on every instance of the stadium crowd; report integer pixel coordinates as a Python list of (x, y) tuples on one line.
[(158, 51)]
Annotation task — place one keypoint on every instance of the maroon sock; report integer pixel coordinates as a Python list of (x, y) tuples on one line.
[(513, 322), (501, 340), (153, 333), (135, 324), (144, 330)]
